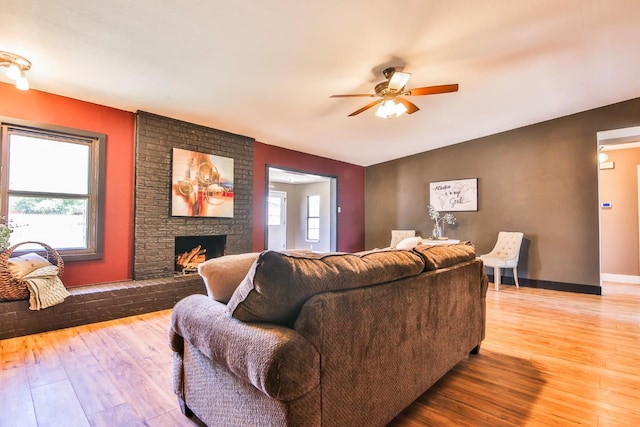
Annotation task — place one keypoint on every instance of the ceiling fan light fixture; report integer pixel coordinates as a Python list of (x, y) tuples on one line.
[(390, 108), (22, 83), (400, 109), (13, 72), (382, 112), (16, 66), (386, 109)]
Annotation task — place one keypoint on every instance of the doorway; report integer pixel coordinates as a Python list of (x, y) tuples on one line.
[(619, 208), (305, 207)]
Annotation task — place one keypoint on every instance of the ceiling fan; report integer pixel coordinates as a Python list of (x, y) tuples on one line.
[(391, 93)]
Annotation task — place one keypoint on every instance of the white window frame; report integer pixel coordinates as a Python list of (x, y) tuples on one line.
[(309, 217), (96, 179)]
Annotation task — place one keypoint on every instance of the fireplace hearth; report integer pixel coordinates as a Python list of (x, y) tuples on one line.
[(190, 251)]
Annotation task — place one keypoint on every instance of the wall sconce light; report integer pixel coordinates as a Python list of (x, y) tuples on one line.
[(602, 157), (16, 66)]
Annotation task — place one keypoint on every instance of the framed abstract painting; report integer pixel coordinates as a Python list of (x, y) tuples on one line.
[(201, 185)]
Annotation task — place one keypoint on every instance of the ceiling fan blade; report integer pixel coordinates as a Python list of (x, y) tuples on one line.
[(431, 90), (411, 107), (366, 107), (353, 95), (398, 80)]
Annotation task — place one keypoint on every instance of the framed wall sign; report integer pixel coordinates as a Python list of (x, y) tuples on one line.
[(201, 184), (457, 195)]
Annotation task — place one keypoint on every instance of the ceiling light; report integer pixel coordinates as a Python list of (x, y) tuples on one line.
[(390, 108), (13, 72), (400, 109), (16, 66), (22, 83), (386, 109), (381, 112)]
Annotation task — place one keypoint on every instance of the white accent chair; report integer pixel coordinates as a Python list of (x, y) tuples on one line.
[(398, 236), (505, 254)]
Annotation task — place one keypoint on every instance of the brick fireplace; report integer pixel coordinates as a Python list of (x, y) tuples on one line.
[(155, 229)]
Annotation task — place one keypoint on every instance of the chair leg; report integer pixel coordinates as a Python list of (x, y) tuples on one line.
[(496, 278), (515, 277)]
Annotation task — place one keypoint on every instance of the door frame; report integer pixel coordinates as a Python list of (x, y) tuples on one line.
[(333, 199), (603, 138)]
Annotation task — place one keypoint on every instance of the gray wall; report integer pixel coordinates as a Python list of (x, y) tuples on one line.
[(540, 179)]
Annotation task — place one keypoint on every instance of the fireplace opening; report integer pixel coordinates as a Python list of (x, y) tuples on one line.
[(190, 251)]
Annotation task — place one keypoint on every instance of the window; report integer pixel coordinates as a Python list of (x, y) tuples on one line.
[(313, 217), (52, 187)]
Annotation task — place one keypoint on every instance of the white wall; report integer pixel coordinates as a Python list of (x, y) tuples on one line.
[(323, 189), (297, 214)]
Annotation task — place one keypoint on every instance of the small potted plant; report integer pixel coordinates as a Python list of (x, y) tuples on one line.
[(438, 229), (6, 229)]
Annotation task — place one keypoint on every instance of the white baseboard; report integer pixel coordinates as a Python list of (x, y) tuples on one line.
[(620, 278)]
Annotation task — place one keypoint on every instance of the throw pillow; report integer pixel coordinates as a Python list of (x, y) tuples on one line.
[(409, 243), (398, 235), (279, 283), (25, 264), (222, 275), (441, 256)]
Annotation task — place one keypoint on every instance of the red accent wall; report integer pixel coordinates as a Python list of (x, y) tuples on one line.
[(118, 125), (350, 192)]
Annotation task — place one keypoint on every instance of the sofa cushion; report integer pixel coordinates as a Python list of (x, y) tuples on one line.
[(441, 256), (222, 275), (279, 283)]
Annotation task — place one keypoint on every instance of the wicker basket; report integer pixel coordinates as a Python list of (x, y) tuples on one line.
[(14, 289)]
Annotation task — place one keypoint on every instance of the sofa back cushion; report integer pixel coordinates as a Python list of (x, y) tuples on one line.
[(279, 283), (442, 256)]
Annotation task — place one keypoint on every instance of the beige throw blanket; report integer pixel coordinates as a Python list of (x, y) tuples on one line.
[(45, 287)]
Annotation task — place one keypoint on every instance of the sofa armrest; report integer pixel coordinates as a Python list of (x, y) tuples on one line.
[(274, 359)]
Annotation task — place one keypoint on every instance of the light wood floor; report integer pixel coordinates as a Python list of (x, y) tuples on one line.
[(549, 359)]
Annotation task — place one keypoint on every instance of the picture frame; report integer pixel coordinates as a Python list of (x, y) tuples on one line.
[(458, 195), (201, 185)]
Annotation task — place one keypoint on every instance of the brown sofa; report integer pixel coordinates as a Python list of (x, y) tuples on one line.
[(326, 339)]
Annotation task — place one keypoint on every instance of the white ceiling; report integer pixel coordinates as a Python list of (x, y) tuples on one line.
[(265, 69)]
